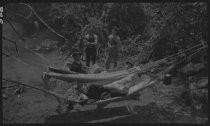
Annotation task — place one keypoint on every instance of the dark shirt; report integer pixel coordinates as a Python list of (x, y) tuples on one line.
[(91, 39), (77, 67)]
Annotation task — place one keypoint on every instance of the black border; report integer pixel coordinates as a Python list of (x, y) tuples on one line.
[(4, 2)]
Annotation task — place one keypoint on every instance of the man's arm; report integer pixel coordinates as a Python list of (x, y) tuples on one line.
[(108, 43), (85, 40), (96, 39), (119, 43)]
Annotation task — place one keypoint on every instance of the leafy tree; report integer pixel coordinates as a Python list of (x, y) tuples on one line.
[(144, 28)]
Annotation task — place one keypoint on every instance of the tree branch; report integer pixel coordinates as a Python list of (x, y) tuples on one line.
[(14, 29), (16, 48)]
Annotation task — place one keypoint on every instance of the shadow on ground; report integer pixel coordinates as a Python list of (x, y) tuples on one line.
[(146, 114)]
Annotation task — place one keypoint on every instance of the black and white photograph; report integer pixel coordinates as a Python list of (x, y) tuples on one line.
[(104, 62)]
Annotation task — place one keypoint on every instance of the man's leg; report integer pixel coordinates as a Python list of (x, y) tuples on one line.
[(115, 57), (87, 57), (108, 61), (94, 55), (115, 62)]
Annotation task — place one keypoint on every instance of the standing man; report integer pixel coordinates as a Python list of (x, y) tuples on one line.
[(91, 41), (114, 44)]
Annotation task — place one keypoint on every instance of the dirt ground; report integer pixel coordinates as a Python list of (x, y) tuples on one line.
[(158, 104)]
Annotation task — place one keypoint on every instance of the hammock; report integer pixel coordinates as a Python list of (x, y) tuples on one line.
[(88, 77), (111, 76)]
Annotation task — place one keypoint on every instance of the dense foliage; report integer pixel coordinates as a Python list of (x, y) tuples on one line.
[(145, 28)]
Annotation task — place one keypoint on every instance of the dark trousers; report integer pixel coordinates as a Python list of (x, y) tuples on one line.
[(90, 55), (109, 60), (112, 57)]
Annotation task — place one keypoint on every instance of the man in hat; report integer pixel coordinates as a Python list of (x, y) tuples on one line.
[(77, 66), (114, 44)]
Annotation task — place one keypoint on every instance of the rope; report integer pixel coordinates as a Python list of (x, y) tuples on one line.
[(43, 21), (182, 52), (170, 56), (174, 55), (191, 55)]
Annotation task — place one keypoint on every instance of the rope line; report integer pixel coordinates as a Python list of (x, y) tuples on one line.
[(170, 56), (191, 55), (174, 55), (181, 52)]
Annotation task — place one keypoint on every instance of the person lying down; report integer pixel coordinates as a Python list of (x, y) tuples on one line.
[(90, 93)]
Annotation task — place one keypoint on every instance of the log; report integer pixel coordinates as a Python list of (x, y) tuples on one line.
[(60, 71)]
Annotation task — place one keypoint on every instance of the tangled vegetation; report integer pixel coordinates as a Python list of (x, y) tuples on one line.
[(144, 28)]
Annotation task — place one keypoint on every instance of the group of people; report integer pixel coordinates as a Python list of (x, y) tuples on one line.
[(90, 42), (94, 91)]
